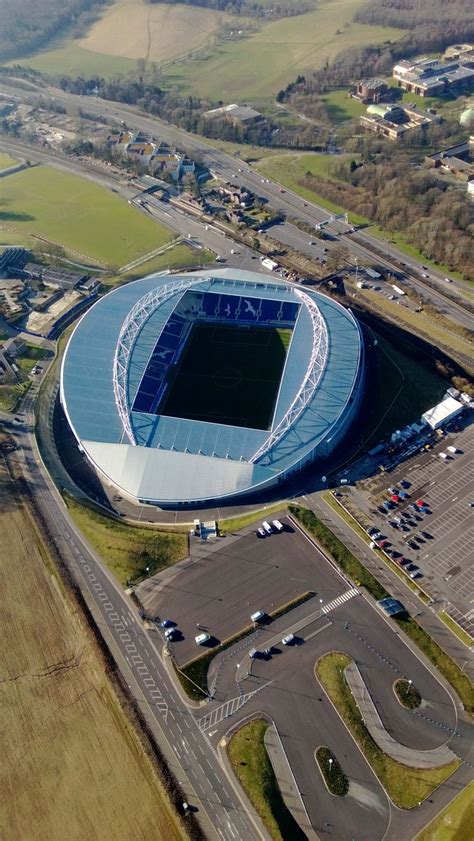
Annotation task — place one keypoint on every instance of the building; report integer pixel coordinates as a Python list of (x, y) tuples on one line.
[(122, 365), (393, 121), (459, 51), (433, 77), (237, 113), (12, 293), (442, 413), (371, 90), (457, 160)]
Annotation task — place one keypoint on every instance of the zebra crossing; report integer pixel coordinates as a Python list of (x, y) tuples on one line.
[(349, 594), (228, 709), (118, 623)]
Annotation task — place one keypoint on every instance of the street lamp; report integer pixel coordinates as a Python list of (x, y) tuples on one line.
[(330, 764)]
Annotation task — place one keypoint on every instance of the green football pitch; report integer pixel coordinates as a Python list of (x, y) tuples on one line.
[(228, 375)]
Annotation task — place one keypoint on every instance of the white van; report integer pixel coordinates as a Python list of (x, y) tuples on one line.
[(257, 616), (277, 525), (288, 639), (267, 527), (201, 639)]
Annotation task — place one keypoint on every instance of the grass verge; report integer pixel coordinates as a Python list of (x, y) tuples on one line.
[(407, 694), (333, 775), (130, 552), (453, 626), (232, 524), (253, 769), (405, 786), (341, 554), (455, 822), (363, 578), (193, 676)]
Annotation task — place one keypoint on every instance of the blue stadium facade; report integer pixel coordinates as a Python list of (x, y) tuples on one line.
[(116, 369)]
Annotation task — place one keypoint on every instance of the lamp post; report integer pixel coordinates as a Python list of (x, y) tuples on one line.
[(330, 764)]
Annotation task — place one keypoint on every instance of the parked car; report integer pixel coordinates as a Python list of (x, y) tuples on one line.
[(167, 623), (289, 639), (260, 532), (201, 639)]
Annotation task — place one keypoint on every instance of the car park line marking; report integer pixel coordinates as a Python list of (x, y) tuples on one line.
[(315, 633)]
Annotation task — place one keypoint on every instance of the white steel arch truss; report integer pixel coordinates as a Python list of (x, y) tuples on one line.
[(136, 318), (313, 374)]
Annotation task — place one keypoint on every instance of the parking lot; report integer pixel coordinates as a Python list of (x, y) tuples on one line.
[(240, 575), (444, 556)]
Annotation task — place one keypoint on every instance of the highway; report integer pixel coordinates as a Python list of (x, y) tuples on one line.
[(138, 653), (232, 169)]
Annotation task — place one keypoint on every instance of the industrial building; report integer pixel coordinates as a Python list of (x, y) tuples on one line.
[(371, 90), (124, 359)]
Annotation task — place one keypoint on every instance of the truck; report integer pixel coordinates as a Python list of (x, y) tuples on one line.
[(269, 264)]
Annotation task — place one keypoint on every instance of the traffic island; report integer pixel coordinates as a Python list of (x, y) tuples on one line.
[(406, 786), (407, 694), (334, 777)]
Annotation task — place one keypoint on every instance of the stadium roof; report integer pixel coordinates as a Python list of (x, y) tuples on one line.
[(178, 460)]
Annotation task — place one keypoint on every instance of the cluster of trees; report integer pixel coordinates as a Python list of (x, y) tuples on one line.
[(250, 8), (27, 25), (433, 216), (189, 112), (408, 14)]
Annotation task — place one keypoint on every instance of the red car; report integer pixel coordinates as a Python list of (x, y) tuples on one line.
[(395, 498), (382, 543), (420, 502)]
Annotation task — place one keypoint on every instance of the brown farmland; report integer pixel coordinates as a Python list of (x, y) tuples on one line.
[(72, 765)]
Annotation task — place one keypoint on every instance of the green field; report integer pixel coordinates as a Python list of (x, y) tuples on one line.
[(85, 219), (288, 169), (341, 107), (266, 61), (455, 822), (6, 161), (229, 375)]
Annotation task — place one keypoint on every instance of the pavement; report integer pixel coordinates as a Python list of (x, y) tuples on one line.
[(401, 753)]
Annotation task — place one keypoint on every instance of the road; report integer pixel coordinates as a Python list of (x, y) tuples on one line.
[(138, 652), (232, 169)]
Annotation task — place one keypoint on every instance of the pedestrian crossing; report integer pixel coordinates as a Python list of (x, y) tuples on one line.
[(349, 594), (226, 710)]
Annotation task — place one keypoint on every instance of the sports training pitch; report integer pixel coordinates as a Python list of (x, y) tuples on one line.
[(228, 375)]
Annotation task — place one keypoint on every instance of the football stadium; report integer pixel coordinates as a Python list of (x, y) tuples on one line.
[(198, 388)]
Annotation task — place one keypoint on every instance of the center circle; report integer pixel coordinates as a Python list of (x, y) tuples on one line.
[(227, 378)]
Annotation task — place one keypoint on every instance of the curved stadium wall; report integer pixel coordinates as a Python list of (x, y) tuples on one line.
[(203, 387)]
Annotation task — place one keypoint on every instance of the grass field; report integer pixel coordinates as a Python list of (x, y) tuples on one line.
[(72, 766), (6, 161), (238, 372), (131, 553), (266, 61), (253, 769), (455, 822), (341, 107), (86, 219), (406, 786), (129, 30)]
